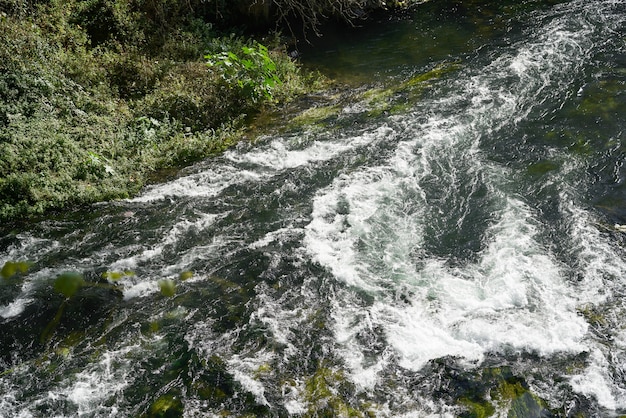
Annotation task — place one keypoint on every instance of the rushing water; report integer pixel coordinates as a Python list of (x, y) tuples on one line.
[(440, 245)]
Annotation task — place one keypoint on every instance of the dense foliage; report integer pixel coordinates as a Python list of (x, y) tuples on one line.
[(96, 95)]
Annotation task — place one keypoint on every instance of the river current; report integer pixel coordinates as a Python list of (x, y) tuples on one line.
[(447, 240)]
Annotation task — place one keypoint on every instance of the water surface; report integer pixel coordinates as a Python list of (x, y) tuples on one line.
[(446, 239)]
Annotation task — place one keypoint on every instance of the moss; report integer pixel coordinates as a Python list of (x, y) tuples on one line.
[(602, 100), (166, 406), (542, 167), (477, 408), (399, 98), (593, 316), (374, 102), (500, 392), (213, 384), (436, 73), (527, 405), (313, 117), (263, 370), (323, 396), (508, 390), (513, 396), (224, 284)]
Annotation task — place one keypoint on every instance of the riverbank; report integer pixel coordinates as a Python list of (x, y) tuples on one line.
[(98, 96)]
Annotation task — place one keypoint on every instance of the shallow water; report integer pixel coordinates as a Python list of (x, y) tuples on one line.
[(445, 240)]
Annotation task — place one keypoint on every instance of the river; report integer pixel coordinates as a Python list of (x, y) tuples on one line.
[(446, 237)]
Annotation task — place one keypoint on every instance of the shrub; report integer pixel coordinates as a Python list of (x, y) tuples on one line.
[(94, 96), (251, 69)]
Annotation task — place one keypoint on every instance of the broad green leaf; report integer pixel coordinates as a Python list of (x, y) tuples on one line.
[(168, 287), (69, 283), (11, 268), (117, 275), (8, 270)]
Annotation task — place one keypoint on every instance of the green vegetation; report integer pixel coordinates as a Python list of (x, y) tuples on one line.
[(501, 392), (374, 102), (253, 70), (167, 287), (166, 406), (97, 95), (323, 395), (12, 268), (69, 283), (477, 408)]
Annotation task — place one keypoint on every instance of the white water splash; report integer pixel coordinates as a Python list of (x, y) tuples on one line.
[(516, 296), (256, 165)]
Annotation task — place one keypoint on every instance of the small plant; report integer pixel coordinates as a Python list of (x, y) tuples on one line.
[(13, 268), (252, 69)]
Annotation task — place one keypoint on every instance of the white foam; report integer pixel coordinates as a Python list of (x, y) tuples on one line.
[(516, 295), (601, 268), (208, 183), (281, 154), (513, 297), (14, 308), (596, 383), (267, 160), (244, 368), (278, 236), (169, 238), (140, 290), (88, 389), (295, 406)]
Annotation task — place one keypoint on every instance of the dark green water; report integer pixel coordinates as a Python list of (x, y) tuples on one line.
[(445, 239)]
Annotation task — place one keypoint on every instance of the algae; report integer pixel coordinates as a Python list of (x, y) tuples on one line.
[(372, 102), (542, 167), (166, 406), (324, 396), (318, 116), (477, 408), (593, 316), (504, 394)]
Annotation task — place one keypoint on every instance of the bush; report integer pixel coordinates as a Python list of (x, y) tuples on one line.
[(90, 105), (250, 68)]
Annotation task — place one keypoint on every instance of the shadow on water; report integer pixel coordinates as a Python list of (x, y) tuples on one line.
[(386, 46)]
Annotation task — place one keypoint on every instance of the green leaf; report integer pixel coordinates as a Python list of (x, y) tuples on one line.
[(168, 287), (116, 275), (11, 268), (8, 270), (69, 283), (262, 49)]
